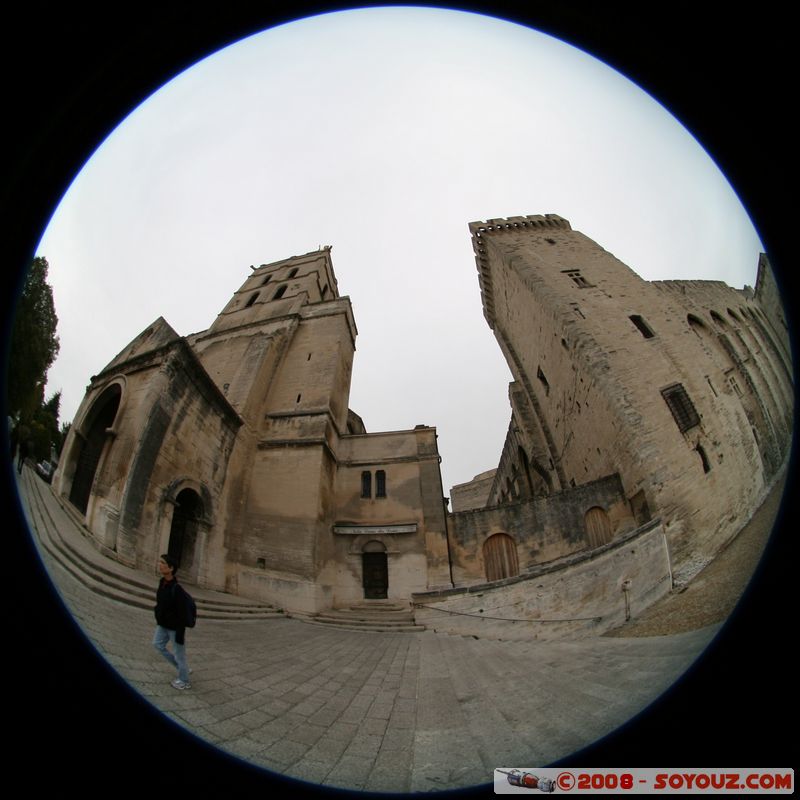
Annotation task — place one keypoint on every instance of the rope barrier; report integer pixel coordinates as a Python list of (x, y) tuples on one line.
[(507, 619)]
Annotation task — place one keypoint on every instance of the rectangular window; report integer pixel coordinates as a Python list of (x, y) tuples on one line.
[(703, 458), (366, 484), (380, 483), (543, 379), (681, 406), (643, 327), (577, 278)]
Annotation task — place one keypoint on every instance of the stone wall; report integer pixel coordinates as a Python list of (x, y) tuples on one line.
[(403, 513), (543, 529), (582, 594), (172, 430), (473, 494)]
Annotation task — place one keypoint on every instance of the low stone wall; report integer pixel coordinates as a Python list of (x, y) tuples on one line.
[(583, 594)]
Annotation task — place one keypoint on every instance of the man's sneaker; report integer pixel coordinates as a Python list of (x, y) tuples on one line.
[(179, 684)]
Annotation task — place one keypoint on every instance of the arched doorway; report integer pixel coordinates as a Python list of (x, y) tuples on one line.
[(183, 531), (374, 571), (598, 527), (500, 557), (90, 446)]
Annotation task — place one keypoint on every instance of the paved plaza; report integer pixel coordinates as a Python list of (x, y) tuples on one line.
[(384, 712)]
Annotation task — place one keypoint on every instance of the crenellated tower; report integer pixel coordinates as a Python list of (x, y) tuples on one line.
[(672, 385)]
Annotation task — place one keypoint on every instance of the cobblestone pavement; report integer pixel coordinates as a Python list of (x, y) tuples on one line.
[(399, 712), (713, 594), (383, 712)]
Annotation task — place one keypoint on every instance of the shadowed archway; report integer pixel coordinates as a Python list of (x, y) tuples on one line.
[(183, 531), (90, 446)]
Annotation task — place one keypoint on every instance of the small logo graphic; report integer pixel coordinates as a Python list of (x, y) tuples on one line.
[(527, 780), (565, 781)]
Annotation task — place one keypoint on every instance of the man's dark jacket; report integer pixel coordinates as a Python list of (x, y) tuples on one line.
[(171, 608)]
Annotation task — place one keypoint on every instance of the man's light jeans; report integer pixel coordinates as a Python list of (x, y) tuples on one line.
[(162, 637)]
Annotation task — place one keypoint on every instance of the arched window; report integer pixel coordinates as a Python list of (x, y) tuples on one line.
[(280, 293), (527, 479), (252, 300), (366, 484), (500, 557), (380, 483), (695, 323)]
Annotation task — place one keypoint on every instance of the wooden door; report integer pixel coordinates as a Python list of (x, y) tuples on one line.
[(500, 557), (598, 527), (375, 571)]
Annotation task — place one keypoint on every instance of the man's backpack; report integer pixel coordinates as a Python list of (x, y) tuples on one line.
[(190, 609), (189, 606)]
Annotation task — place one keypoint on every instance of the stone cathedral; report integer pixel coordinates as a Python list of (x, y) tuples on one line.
[(647, 422)]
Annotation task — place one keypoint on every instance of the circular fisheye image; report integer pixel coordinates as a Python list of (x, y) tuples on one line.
[(395, 396)]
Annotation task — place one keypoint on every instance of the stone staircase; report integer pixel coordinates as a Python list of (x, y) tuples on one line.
[(59, 536), (382, 616)]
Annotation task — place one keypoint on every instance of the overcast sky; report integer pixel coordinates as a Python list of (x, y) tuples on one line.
[(383, 133)]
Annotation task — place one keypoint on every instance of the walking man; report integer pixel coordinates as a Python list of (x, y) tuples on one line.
[(171, 620)]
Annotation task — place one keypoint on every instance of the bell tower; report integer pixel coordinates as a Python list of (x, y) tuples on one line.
[(283, 345), (283, 287)]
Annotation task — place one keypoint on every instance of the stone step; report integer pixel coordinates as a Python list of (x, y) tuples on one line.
[(131, 587), (363, 623), (368, 616), (342, 625), (377, 616), (378, 605), (233, 613), (80, 557)]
